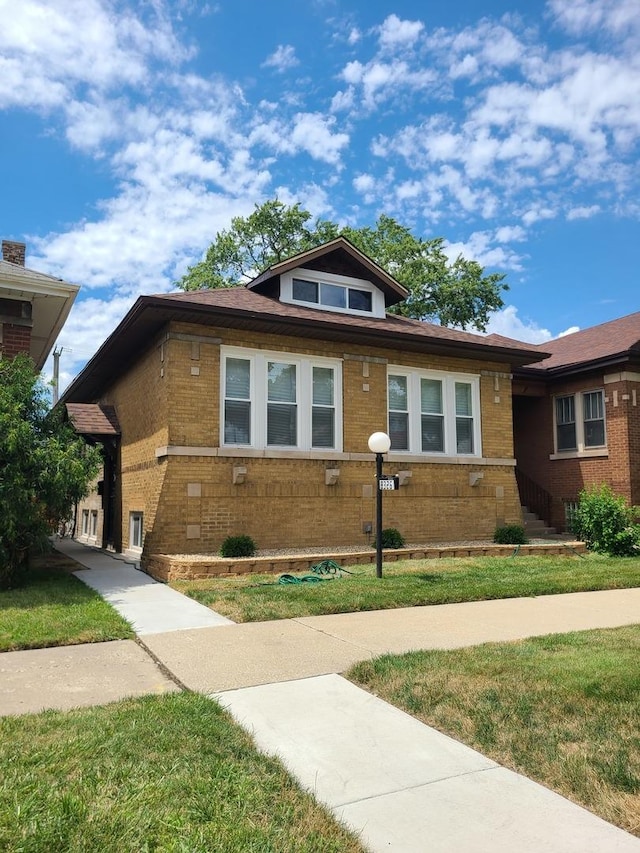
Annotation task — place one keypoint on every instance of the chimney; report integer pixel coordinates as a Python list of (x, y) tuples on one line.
[(13, 252)]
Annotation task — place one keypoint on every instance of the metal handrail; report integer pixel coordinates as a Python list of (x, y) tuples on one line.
[(534, 496)]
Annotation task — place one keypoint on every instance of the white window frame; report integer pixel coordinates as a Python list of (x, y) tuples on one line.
[(259, 360), (378, 308), (93, 523), (581, 447), (449, 381), (85, 522), (134, 516)]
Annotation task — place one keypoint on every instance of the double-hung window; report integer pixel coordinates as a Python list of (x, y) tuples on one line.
[(434, 413), (280, 400), (580, 421)]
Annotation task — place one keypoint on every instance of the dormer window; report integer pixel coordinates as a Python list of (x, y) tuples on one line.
[(330, 292)]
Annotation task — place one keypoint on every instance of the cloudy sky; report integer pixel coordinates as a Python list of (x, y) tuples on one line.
[(133, 131)]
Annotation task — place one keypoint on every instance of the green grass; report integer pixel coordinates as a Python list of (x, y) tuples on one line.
[(56, 609), (562, 709), (170, 773), (410, 583)]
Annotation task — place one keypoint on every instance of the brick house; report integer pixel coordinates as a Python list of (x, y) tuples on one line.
[(577, 418), (247, 410), (33, 306)]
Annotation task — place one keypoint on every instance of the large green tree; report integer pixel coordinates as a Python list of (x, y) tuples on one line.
[(44, 467), (453, 293)]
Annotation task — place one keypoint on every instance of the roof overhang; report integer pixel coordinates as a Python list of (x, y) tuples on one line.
[(151, 314), (628, 358), (51, 300)]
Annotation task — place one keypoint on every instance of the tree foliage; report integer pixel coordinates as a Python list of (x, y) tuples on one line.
[(454, 293), (44, 467)]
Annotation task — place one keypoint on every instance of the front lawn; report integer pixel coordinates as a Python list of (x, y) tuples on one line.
[(168, 773), (252, 598), (562, 709), (54, 608)]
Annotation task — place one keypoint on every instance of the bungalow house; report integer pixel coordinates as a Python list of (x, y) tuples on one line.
[(577, 419), (33, 306), (247, 410)]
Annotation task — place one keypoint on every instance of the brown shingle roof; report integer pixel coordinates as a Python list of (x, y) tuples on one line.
[(242, 299), (614, 340), (93, 419)]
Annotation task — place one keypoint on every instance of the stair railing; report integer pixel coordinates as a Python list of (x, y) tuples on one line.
[(533, 496)]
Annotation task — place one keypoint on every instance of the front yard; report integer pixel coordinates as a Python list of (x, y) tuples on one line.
[(253, 598), (168, 773), (563, 709), (54, 608)]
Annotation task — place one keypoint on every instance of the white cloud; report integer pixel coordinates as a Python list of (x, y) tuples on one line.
[(585, 212), (282, 59), (507, 323), (395, 32), (313, 133)]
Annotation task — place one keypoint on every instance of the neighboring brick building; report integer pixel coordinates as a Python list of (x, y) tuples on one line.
[(247, 411), (33, 306), (577, 418)]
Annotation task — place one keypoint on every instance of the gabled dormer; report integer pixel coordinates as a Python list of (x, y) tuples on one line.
[(334, 277)]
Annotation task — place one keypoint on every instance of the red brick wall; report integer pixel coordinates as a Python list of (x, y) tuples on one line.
[(565, 478), (15, 339)]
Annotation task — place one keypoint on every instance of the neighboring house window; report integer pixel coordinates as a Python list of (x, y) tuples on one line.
[(93, 528), (570, 513), (136, 528), (85, 522), (331, 292), (281, 400), (580, 421), (434, 413)]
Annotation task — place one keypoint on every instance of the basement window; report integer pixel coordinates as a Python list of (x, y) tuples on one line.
[(136, 530)]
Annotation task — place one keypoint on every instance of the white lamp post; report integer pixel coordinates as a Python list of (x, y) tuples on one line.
[(379, 443)]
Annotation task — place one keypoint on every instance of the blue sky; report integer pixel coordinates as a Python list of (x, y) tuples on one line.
[(132, 132)]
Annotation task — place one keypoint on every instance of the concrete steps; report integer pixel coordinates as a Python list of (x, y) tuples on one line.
[(535, 527)]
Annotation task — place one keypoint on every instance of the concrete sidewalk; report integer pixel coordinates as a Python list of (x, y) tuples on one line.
[(149, 606), (226, 658), (402, 785)]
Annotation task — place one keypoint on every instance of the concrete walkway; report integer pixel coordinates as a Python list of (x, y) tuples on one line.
[(149, 606), (400, 784)]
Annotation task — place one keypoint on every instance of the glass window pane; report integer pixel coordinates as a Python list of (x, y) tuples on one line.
[(323, 386), (594, 433), (432, 434), (398, 397), (566, 436), (305, 291), (282, 382), (431, 396), (322, 428), (593, 406), (238, 378), (399, 430), (333, 295), (360, 300), (281, 425), (464, 435), (237, 422), (565, 410), (463, 398)]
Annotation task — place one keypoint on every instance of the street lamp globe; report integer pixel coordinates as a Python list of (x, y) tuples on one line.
[(379, 442)]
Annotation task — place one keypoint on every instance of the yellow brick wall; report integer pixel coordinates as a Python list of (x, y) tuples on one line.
[(170, 397)]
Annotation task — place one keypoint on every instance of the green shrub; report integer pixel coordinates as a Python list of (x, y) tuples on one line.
[(510, 534), (238, 546), (392, 538), (605, 522)]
